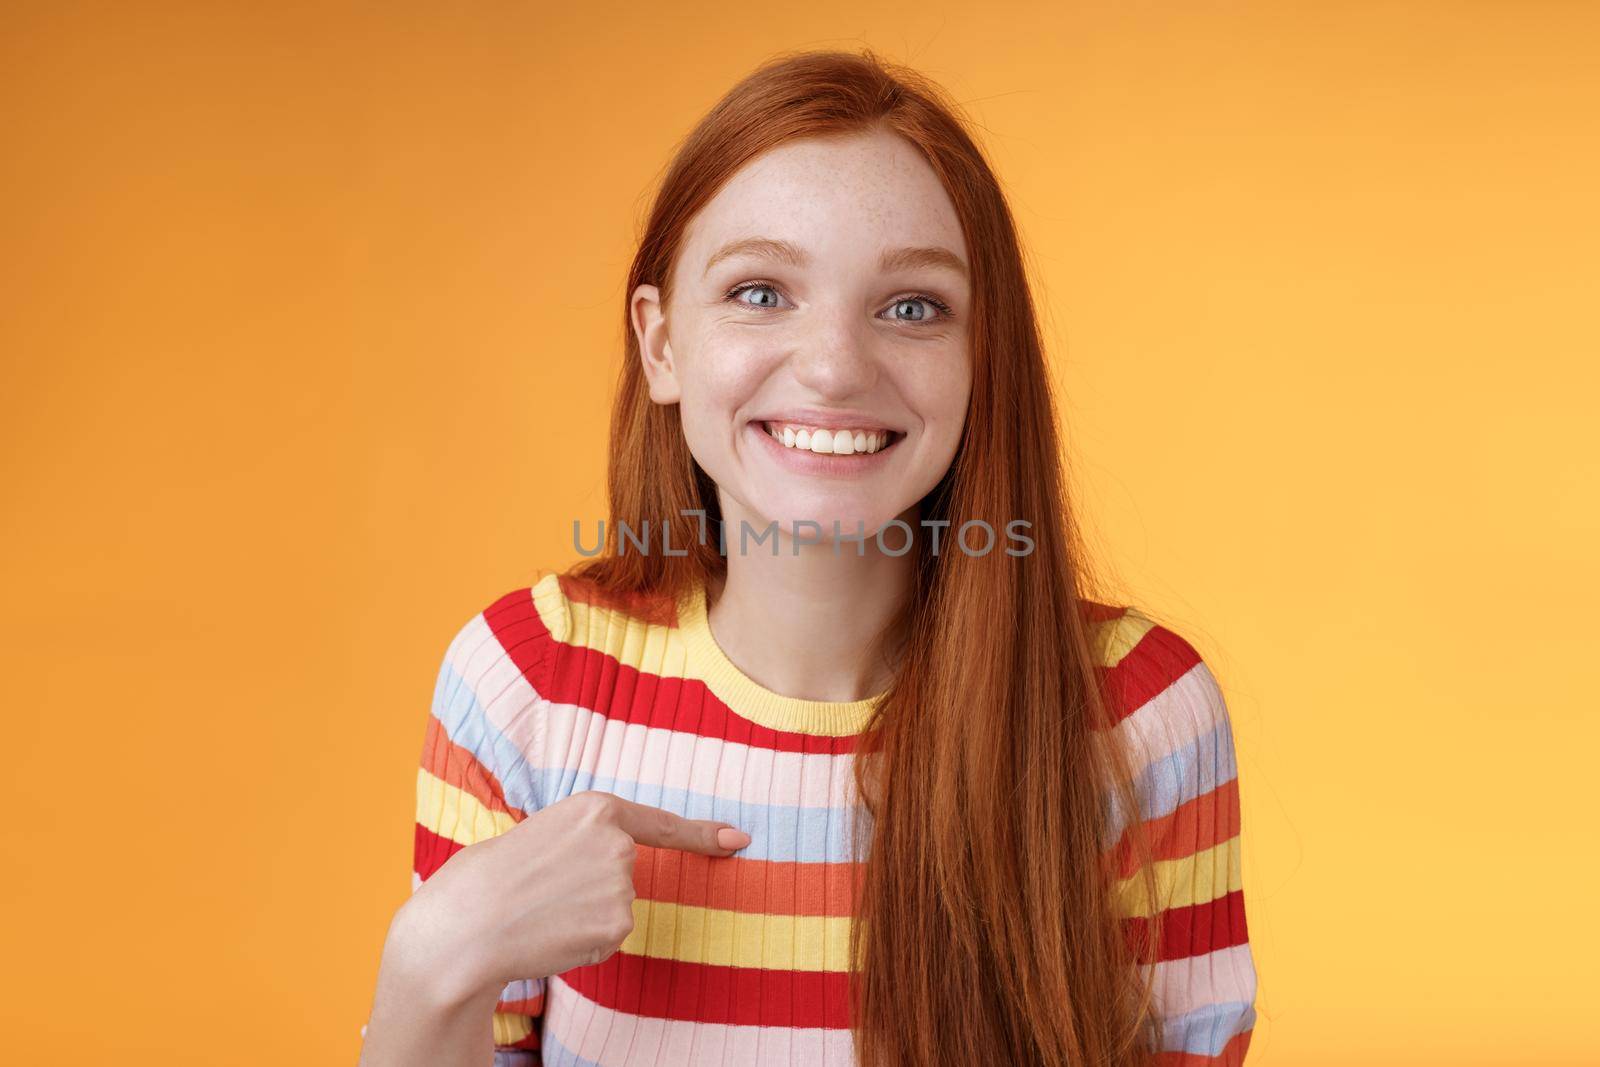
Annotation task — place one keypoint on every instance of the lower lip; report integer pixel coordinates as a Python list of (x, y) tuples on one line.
[(805, 461)]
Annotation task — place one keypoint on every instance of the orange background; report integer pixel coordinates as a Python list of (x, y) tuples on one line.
[(310, 317)]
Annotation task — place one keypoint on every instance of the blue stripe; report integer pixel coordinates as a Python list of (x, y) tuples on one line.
[(456, 706), (1207, 1030), (1197, 768), (557, 1055), (779, 832)]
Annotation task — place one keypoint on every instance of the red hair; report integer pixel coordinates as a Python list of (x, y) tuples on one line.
[(985, 929)]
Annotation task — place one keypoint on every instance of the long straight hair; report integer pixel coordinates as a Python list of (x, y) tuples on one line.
[(985, 928)]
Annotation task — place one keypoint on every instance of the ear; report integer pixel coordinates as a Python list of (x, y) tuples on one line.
[(655, 351)]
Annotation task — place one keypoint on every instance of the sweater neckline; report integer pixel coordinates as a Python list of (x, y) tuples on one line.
[(754, 701)]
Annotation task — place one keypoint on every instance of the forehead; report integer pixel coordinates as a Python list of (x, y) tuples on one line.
[(832, 195)]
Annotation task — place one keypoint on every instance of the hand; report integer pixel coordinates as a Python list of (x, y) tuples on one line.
[(552, 893)]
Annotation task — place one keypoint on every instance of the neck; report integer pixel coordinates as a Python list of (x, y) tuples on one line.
[(806, 625)]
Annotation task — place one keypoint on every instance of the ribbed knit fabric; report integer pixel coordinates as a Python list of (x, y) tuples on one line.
[(742, 960)]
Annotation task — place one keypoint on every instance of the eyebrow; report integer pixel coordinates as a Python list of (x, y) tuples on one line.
[(892, 259)]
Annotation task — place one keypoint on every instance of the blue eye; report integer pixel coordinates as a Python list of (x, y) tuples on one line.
[(752, 287), (941, 309), (914, 301)]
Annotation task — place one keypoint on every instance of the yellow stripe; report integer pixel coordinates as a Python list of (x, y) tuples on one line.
[(510, 1027), (722, 938), (1114, 638), (631, 641), (1197, 879), (659, 648), (456, 814), (551, 604), (634, 643)]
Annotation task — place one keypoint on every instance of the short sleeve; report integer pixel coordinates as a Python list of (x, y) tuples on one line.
[(1186, 778), (473, 782)]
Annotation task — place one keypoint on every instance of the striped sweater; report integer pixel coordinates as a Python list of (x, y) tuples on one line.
[(742, 960)]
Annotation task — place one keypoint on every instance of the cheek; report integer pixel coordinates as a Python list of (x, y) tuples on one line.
[(721, 380), (939, 392), (726, 373)]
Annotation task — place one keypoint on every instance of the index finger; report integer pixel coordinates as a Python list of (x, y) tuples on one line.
[(665, 829)]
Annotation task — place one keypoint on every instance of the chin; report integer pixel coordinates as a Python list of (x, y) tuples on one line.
[(851, 516)]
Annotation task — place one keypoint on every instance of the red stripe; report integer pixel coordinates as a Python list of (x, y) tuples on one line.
[(1188, 931), (570, 673), (695, 992), (515, 622), (601, 683), (1160, 658), (430, 850)]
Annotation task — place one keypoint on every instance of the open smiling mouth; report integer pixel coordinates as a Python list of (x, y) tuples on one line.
[(826, 442)]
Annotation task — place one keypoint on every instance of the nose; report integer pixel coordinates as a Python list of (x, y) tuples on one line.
[(835, 357)]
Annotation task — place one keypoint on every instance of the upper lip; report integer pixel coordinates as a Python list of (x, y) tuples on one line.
[(839, 420)]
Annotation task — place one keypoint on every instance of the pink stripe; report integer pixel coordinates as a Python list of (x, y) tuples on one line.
[(612, 1038), (1193, 982), (578, 739), (1172, 718)]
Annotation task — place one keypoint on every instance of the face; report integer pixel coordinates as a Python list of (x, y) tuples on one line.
[(825, 288)]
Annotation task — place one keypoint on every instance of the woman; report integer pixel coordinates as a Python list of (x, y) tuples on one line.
[(814, 776)]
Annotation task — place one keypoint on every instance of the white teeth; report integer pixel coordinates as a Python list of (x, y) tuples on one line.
[(829, 442)]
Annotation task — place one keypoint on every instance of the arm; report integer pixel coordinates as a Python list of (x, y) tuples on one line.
[(1204, 979), (414, 1020), (429, 1010)]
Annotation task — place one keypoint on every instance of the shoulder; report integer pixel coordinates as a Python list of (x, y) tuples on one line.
[(475, 778), (556, 612), (487, 726), (511, 633), (1164, 696)]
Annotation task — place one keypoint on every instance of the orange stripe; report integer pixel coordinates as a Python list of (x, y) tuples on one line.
[(457, 766), (1232, 1054), (733, 883), (526, 1006), (1195, 825)]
